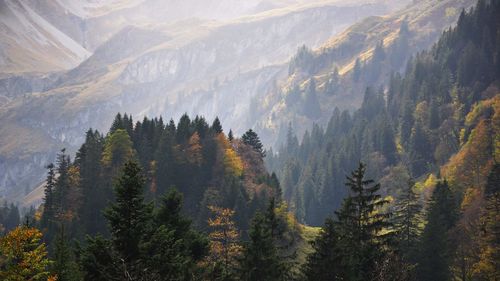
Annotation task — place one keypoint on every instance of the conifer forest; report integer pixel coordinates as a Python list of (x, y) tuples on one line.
[(252, 140)]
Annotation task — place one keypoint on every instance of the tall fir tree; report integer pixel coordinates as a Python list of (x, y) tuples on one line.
[(130, 216), (436, 246), (64, 265), (260, 260), (94, 193), (216, 126), (251, 138), (362, 227), (325, 262), (407, 225), (48, 201)]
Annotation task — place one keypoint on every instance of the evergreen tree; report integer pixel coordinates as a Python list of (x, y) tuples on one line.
[(385, 140), (94, 193), (183, 129), (216, 126), (169, 215), (251, 138), (433, 115), (311, 107), (64, 266), (281, 232), (117, 123), (165, 162), (230, 136), (260, 260), (62, 184), (436, 247), (361, 227), (419, 150), (99, 262), (48, 204), (172, 249), (129, 217), (130, 221), (324, 263), (406, 124), (13, 218), (407, 223)]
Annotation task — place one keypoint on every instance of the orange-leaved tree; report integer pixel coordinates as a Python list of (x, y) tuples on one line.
[(225, 246), (23, 256)]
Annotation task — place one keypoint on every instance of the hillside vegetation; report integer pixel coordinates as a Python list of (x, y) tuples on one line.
[(406, 187)]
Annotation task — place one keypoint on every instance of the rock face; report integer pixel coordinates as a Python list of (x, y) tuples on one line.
[(425, 21), (30, 43), (234, 65), (147, 58)]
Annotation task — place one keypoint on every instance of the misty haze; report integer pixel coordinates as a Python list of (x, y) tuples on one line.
[(254, 140)]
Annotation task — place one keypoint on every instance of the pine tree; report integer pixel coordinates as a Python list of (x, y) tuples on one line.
[(99, 262), (48, 204), (169, 215), (407, 223), (117, 123), (433, 115), (64, 266), (251, 138), (260, 260), (183, 129), (419, 150), (174, 240), (268, 255), (94, 195), (436, 248), (311, 107), (324, 263), (216, 126), (165, 161), (62, 184), (13, 218), (280, 233), (230, 136), (360, 225), (385, 140), (129, 217)]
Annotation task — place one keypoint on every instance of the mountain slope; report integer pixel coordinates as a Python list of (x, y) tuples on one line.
[(166, 70), (438, 118), (31, 44), (331, 65)]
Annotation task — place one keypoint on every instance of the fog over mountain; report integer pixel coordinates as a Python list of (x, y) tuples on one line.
[(66, 66)]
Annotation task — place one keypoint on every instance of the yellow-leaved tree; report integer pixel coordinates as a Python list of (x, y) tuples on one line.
[(225, 246), (118, 149), (194, 150), (23, 256), (233, 165)]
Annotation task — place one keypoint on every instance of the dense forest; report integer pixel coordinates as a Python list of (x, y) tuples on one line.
[(405, 188), (444, 103)]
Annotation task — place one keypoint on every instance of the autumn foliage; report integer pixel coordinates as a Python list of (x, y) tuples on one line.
[(23, 256), (224, 238)]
